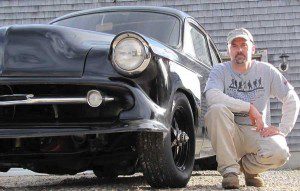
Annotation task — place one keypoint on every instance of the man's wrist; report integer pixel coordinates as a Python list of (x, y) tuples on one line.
[(283, 130), (248, 106)]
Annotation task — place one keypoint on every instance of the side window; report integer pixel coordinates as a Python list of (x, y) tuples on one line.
[(214, 56), (200, 45)]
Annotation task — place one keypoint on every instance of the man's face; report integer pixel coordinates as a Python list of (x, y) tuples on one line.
[(240, 51)]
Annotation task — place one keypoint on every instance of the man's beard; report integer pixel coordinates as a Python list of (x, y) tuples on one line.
[(240, 59)]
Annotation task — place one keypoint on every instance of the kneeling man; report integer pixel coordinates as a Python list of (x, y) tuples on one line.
[(238, 118)]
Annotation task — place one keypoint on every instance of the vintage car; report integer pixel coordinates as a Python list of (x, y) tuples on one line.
[(116, 90)]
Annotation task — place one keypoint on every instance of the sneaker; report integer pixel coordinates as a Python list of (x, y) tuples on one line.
[(252, 179), (230, 181)]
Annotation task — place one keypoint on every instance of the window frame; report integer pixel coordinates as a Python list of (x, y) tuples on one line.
[(214, 50), (180, 35), (190, 23)]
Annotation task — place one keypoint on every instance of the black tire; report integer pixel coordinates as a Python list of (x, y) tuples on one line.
[(165, 166)]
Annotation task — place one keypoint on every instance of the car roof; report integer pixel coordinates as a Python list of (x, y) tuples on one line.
[(166, 10)]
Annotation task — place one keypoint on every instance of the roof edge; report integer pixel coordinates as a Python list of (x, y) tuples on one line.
[(167, 10)]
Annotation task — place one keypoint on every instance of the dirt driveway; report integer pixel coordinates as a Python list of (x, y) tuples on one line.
[(201, 180)]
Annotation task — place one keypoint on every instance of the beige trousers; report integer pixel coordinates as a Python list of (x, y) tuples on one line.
[(232, 142)]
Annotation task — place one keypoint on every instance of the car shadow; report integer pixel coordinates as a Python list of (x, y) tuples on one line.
[(72, 183), (91, 182)]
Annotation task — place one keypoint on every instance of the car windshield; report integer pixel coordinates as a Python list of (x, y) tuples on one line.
[(162, 27)]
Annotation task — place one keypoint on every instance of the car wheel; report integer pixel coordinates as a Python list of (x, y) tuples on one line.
[(167, 159)]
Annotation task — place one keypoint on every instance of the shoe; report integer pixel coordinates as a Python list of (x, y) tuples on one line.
[(252, 179), (230, 181)]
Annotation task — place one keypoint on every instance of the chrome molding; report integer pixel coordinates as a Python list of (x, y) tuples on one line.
[(29, 99)]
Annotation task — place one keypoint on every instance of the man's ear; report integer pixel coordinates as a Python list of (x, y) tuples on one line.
[(253, 48), (228, 47)]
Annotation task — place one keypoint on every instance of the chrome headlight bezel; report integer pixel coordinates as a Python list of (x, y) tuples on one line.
[(142, 66)]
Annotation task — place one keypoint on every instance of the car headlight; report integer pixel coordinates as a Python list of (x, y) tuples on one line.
[(130, 54)]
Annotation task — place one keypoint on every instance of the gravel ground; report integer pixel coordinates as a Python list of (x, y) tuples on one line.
[(201, 180)]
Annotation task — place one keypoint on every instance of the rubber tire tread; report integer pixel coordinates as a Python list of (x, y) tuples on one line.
[(154, 174), (153, 158)]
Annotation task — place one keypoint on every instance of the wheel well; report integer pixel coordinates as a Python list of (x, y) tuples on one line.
[(192, 104)]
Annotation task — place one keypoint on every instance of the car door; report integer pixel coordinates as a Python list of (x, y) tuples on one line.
[(196, 47), (206, 147)]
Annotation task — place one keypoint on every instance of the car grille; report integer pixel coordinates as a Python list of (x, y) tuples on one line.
[(63, 113)]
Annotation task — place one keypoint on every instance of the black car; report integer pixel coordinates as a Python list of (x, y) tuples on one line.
[(117, 90)]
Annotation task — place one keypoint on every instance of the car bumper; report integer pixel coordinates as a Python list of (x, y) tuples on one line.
[(143, 115), (40, 131)]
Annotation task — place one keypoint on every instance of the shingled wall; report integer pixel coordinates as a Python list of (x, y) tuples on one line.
[(275, 25)]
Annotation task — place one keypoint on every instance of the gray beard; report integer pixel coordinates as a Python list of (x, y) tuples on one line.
[(240, 61)]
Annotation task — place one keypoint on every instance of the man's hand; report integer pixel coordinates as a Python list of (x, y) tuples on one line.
[(269, 131), (256, 118)]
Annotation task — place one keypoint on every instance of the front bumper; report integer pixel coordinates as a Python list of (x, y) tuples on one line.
[(41, 131), (143, 115)]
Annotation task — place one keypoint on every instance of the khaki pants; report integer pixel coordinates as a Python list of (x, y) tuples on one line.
[(232, 142)]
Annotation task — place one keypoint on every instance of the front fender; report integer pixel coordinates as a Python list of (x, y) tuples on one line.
[(173, 77)]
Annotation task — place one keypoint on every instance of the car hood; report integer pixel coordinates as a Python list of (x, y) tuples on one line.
[(46, 50)]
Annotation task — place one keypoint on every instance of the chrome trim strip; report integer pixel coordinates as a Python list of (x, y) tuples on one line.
[(15, 95), (31, 100)]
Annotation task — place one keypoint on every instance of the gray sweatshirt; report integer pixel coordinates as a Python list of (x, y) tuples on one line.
[(261, 82)]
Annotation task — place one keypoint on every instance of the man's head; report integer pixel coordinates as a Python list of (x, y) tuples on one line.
[(240, 46)]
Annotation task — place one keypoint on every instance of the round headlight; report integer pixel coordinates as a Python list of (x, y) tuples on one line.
[(130, 54)]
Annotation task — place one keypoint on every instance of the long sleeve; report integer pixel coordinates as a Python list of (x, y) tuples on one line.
[(216, 96), (290, 111)]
